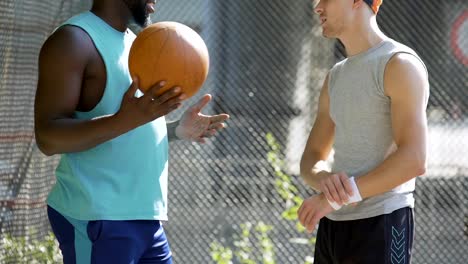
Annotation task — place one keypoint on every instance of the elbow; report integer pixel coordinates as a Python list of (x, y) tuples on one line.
[(45, 149), (414, 159), (44, 146), (303, 168), (420, 169), (419, 165)]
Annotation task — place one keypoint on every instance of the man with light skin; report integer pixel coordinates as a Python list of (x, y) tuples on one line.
[(372, 113), (112, 179)]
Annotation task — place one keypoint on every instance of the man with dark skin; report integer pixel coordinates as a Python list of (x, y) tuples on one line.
[(111, 190)]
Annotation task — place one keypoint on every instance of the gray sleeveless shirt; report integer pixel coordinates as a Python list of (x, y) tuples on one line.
[(363, 130)]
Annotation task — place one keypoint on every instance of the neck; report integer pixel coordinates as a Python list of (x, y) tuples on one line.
[(363, 36), (113, 12)]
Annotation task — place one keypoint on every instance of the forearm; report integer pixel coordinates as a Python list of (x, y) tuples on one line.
[(171, 130), (72, 135), (400, 167), (313, 170)]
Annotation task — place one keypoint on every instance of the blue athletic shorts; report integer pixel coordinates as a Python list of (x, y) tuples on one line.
[(116, 242)]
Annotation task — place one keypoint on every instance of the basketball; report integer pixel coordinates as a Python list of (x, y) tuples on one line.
[(171, 52)]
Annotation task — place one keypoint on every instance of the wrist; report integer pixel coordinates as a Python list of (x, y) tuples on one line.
[(121, 123), (355, 198), (323, 174), (173, 130), (125, 121), (319, 177), (177, 132)]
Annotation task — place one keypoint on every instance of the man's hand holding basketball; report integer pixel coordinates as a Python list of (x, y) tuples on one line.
[(195, 126), (144, 109)]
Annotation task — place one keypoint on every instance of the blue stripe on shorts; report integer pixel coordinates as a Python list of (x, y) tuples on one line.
[(104, 241)]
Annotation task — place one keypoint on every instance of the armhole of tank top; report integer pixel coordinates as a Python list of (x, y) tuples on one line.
[(98, 50), (382, 70), (330, 82)]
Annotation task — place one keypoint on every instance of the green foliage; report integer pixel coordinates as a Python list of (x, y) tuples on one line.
[(244, 244), (283, 183), (25, 250), (266, 245), (246, 241), (221, 254)]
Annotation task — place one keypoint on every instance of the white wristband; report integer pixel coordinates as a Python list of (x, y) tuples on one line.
[(356, 197), (334, 205)]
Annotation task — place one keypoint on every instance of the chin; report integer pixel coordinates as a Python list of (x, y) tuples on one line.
[(326, 34), (143, 22)]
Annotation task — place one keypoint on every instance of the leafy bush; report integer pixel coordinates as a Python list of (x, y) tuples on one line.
[(26, 250), (244, 243)]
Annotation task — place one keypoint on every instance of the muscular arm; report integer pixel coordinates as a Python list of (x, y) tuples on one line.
[(62, 64), (319, 143), (406, 83)]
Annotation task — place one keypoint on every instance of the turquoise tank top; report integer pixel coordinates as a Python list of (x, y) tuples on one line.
[(124, 178)]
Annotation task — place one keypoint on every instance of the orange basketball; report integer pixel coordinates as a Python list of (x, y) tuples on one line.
[(172, 52)]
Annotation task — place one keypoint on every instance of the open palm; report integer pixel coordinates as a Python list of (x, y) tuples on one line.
[(195, 126)]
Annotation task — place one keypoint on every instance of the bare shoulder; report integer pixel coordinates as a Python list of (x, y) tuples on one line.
[(68, 44), (62, 62), (406, 62), (405, 71)]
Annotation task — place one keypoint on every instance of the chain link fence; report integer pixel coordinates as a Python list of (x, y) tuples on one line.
[(235, 193)]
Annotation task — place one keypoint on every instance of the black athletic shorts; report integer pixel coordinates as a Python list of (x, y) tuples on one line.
[(384, 239)]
